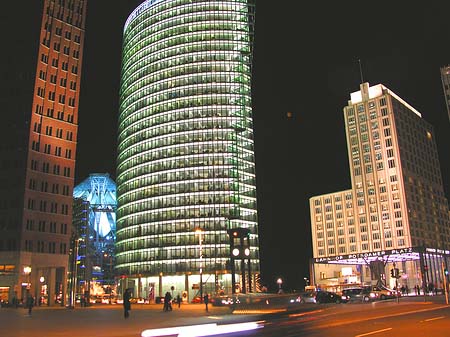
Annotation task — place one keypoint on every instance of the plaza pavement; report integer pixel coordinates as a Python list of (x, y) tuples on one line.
[(106, 320)]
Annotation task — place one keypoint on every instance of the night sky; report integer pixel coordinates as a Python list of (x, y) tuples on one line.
[(305, 62)]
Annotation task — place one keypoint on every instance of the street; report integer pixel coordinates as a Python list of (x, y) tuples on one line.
[(412, 316)]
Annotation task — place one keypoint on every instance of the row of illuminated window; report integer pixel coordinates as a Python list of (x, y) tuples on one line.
[(160, 20), (197, 95), (353, 248), (351, 232), (202, 116), (144, 107), (162, 184), (191, 42), (163, 165), (184, 134), (186, 37), (164, 18), (179, 211), (158, 156), (211, 48), (130, 83), (135, 216), (155, 92), (151, 56), (143, 74), (162, 156), (160, 246), (209, 227), (217, 199), (175, 266), (206, 92), (154, 151)]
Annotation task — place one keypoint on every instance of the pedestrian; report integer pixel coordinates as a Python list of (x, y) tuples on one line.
[(179, 300), (407, 290), (126, 302), (168, 302), (29, 303), (206, 301)]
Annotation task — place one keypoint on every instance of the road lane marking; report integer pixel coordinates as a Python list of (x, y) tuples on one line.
[(373, 332), (433, 319)]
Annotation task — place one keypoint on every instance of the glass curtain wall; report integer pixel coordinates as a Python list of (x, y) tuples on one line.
[(185, 139)]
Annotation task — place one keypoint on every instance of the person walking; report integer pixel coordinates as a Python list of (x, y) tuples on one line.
[(29, 303), (168, 302), (206, 301), (179, 300), (126, 302)]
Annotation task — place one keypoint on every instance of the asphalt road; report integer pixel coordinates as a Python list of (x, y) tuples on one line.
[(412, 317)]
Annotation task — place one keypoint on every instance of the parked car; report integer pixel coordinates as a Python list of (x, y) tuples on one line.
[(359, 294), (308, 297), (383, 293), (327, 297), (320, 296)]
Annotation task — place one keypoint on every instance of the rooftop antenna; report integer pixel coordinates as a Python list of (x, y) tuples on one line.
[(360, 71)]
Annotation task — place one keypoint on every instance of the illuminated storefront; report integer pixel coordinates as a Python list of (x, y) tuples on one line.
[(185, 171)]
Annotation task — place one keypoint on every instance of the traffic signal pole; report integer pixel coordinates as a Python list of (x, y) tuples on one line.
[(394, 272)]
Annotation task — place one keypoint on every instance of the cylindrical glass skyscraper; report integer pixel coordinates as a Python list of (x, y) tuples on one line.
[(185, 168)]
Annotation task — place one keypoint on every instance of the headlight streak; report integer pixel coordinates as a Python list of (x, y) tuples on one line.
[(201, 330)]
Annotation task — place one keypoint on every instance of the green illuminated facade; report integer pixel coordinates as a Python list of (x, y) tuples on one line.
[(185, 145)]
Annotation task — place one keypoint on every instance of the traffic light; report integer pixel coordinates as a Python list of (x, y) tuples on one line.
[(392, 272)]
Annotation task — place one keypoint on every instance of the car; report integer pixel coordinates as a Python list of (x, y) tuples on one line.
[(308, 297), (383, 292), (360, 294), (320, 296), (323, 296)]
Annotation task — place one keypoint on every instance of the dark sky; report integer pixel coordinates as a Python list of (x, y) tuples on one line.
[(305, 62)]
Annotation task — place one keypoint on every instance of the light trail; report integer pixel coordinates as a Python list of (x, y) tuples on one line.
[(201, 330), (373, 332)]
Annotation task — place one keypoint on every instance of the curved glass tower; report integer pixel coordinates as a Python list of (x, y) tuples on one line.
[(185, 168)]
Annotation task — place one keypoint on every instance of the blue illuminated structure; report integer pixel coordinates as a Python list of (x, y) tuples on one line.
[(98, 240)]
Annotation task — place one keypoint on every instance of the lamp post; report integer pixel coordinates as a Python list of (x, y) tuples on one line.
[(279, 282), (200, 241), (27, 271)]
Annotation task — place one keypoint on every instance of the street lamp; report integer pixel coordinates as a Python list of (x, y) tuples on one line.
[(279, 282), (199, 232), (27, 271)]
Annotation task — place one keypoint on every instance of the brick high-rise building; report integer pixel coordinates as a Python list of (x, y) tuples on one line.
[(40, 85)]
